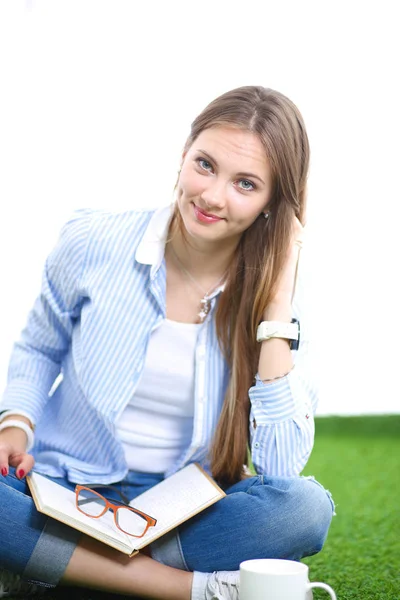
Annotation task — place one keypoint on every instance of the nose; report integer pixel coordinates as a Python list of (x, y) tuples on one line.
[(213, 195)]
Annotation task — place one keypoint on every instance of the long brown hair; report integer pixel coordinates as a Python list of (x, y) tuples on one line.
[(259, 257)]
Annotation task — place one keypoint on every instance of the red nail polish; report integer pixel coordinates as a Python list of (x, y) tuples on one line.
[(21, 473), (4, 471)]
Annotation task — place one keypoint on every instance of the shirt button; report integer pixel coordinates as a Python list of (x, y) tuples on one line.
[(257, 403), (257, 445)]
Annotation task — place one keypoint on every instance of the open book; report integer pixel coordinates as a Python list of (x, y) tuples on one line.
[(171, 502)]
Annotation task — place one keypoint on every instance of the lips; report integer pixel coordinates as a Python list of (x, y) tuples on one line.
[(205, 217)]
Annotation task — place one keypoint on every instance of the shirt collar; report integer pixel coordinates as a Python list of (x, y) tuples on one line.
[(150, 250)]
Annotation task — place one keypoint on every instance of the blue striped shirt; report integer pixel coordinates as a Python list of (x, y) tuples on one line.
[(81, 356)]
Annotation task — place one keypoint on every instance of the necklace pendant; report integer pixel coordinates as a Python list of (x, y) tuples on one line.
[(202, 315), (205, 308)]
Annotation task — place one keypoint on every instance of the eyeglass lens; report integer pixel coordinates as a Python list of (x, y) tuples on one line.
[(131, 522), (90, 503)]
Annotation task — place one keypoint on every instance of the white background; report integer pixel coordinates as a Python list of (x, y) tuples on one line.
[(96, 100)]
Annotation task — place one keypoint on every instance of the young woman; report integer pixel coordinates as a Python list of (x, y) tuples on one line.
[(179, 337)]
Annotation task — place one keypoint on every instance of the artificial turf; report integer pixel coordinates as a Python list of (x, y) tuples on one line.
[(358, 460)]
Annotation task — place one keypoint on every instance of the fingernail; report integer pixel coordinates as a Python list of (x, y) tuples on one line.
[(21, 473), (4, 471)]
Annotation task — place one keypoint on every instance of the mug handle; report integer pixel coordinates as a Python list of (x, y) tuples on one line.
[(318, 584)]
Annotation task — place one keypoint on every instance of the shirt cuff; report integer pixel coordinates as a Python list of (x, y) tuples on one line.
[(272, 402)]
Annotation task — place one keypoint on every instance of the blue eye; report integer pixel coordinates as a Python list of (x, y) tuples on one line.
[(247, 185), (204, 164)]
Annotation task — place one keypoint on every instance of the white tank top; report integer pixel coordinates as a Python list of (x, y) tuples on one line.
[(157, 424)]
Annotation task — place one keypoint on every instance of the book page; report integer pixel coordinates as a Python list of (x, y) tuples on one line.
[(59, 502), (175, 499)]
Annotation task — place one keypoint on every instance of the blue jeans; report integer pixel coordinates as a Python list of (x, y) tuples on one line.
[(261, 517)]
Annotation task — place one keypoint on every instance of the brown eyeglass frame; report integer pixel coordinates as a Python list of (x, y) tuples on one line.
[(114, 507)]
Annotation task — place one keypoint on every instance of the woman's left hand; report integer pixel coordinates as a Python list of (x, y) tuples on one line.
[(287, 279)]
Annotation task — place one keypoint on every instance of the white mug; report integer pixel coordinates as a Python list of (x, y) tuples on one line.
[(276, 579)]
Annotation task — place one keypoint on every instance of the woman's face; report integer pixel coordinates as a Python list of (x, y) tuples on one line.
[(224, 185)]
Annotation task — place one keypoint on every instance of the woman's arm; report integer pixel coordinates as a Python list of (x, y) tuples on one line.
[(36, 358), (275, 354), (281, 411), (285, 396)]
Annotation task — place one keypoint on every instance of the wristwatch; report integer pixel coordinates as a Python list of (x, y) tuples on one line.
[(278, 329)]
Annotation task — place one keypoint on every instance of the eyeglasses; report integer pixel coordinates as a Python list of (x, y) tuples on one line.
[(128, 519)]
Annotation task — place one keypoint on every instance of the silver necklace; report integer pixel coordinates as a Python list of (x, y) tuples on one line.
[(205, 300)]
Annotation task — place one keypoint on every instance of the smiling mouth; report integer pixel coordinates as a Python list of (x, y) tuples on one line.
[(205, 215)]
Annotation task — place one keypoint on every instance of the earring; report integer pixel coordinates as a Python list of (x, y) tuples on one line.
[(266, 215)]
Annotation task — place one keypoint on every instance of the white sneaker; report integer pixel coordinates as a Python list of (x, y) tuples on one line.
[(12, 585), (223, 585)]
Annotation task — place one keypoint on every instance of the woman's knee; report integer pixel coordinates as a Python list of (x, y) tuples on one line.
[(312, 515)]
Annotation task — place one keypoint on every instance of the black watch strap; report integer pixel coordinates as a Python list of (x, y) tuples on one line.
[(294, 344)]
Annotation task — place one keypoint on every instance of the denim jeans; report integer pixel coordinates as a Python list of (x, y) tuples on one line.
[(261, 517)]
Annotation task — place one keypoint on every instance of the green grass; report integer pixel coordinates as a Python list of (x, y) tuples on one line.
[(358, 460)]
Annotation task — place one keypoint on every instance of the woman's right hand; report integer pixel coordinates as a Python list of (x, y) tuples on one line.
[(13, 453)]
